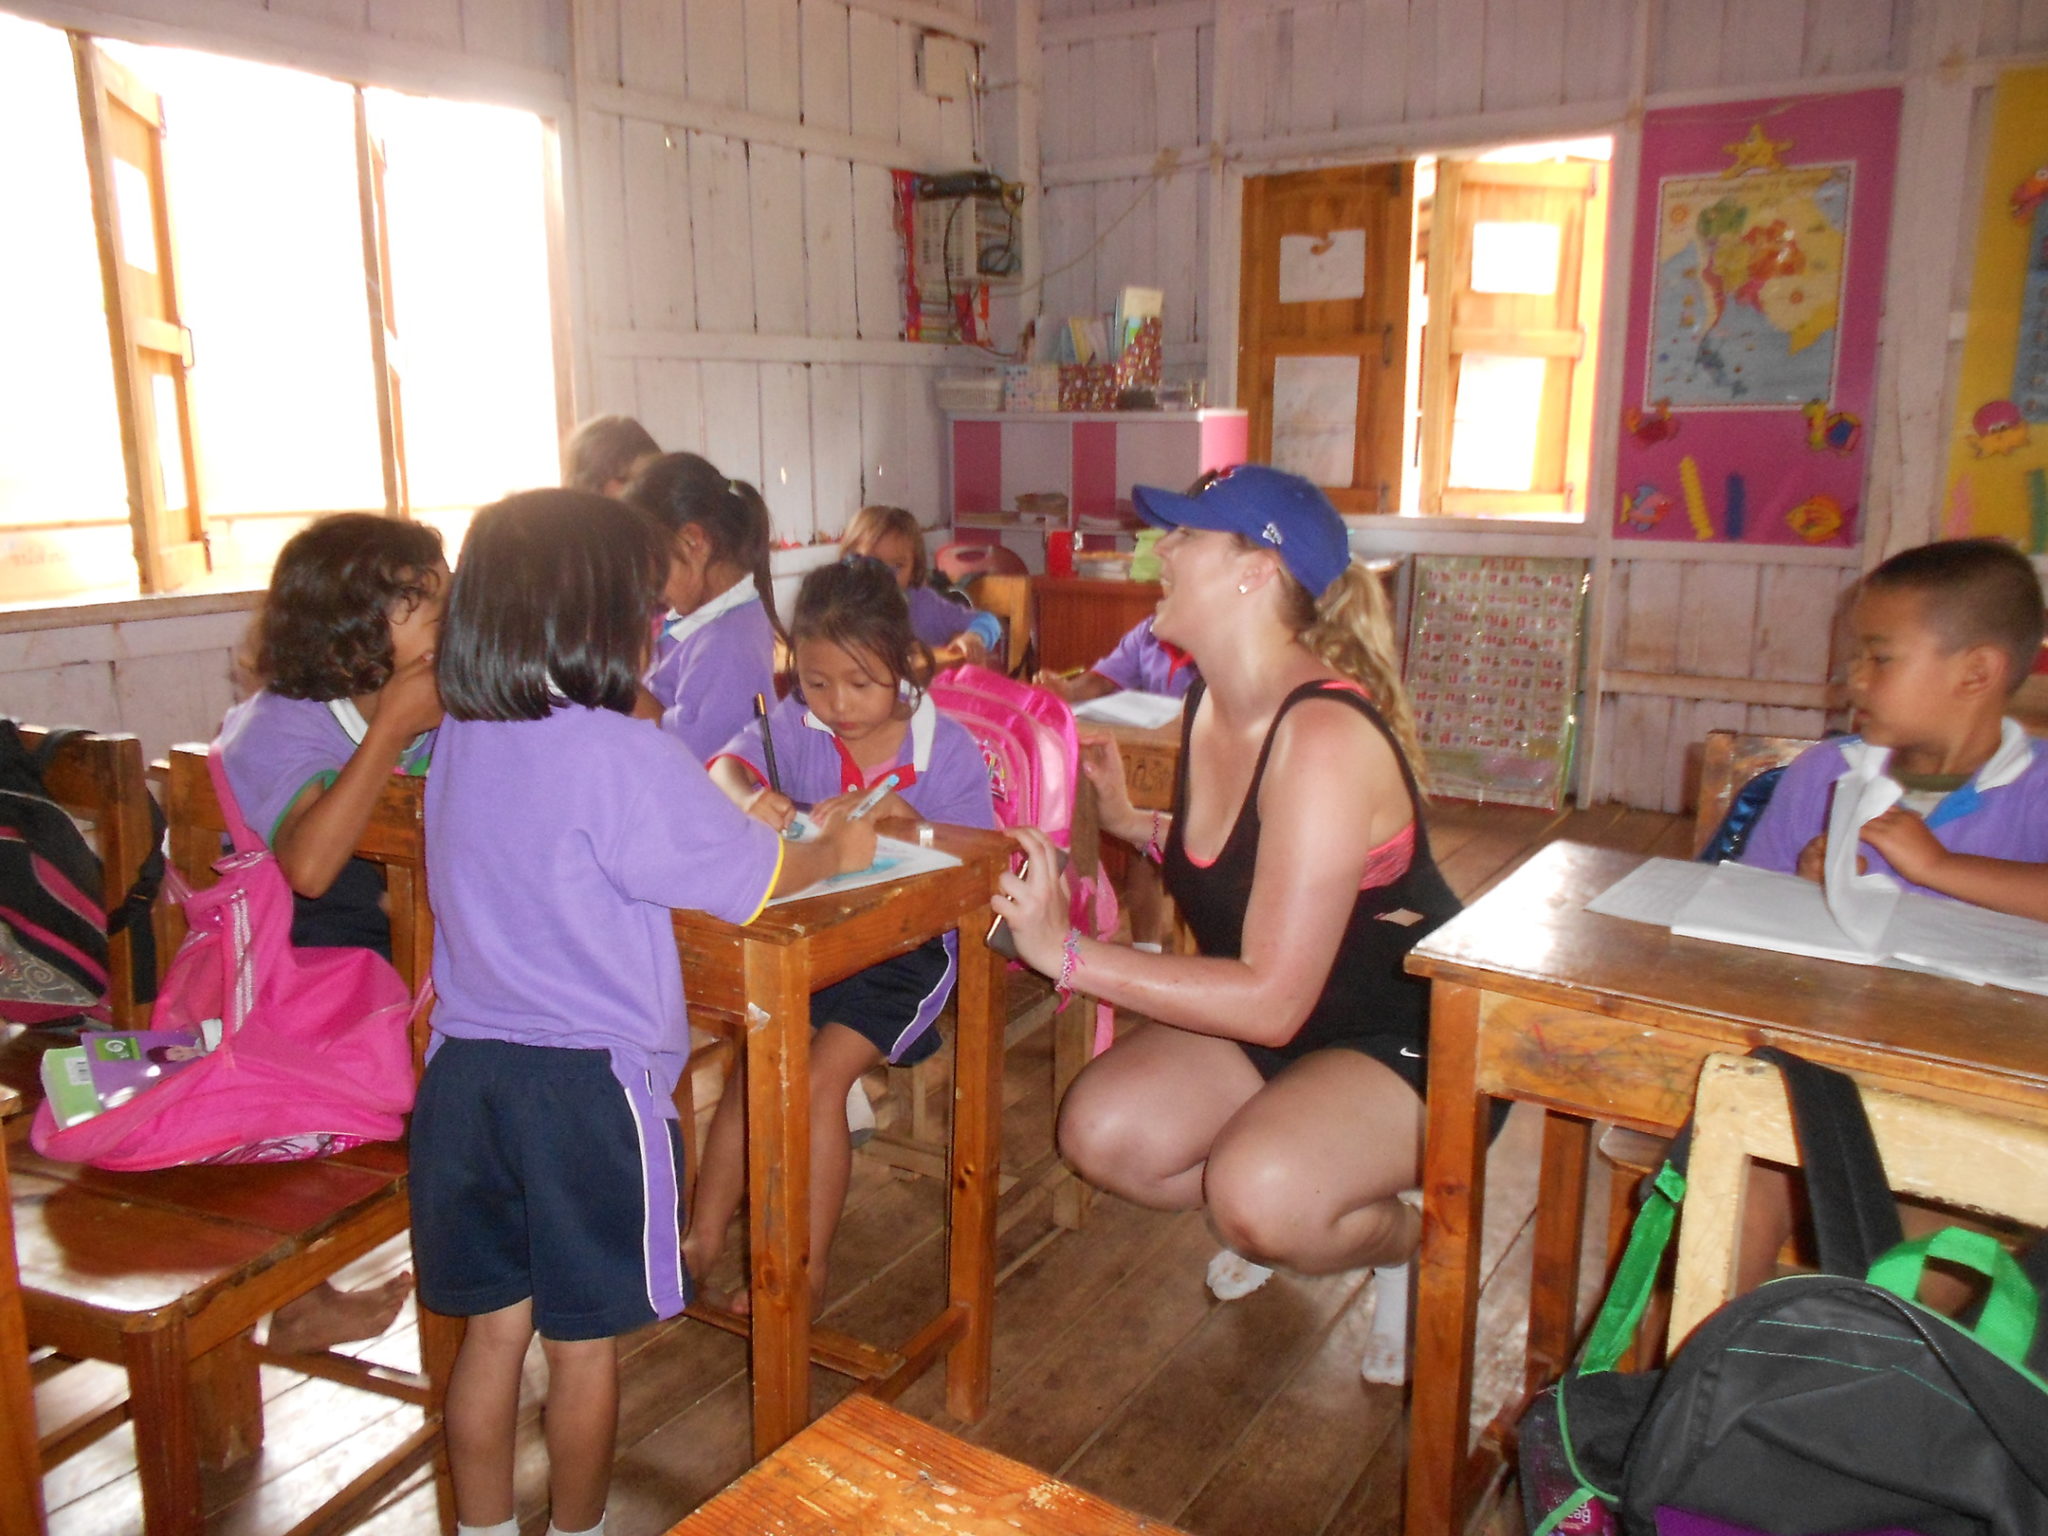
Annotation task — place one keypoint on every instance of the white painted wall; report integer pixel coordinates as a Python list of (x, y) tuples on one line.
[(1155, 112), (734, 267)]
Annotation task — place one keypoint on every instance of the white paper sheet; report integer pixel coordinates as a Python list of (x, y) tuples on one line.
[(1148, 711), (894, 860), (1764, 909), (1653, 891)]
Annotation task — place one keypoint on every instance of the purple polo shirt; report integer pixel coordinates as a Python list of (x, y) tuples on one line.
[(942, 773), (706, 682), (1143, 663), (274, 748), (556, 849), (2009, 821), (934, 619)]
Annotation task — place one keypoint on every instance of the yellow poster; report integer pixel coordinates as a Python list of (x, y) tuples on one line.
[(1998, 448)]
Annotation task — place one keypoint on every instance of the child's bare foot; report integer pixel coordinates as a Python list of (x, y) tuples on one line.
[(325, 1317)]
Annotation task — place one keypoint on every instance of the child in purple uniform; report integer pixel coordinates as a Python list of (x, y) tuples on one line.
[(955, 632), (344, 654), (1141, 663), (1944, 634), (860, 714), (716, 649), (560, 833)]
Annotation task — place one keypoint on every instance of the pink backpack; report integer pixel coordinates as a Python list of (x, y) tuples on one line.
[(1033, 752), (316, 1051), (1027, 739)]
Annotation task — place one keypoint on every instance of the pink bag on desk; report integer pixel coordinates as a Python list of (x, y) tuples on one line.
[(316, 1051), (1032, 748)]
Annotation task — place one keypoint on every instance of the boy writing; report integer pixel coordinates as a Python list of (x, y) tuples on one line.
[(1944, 634)]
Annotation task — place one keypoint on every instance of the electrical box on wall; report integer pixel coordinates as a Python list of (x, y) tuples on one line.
[(961, 230), (946, 66)]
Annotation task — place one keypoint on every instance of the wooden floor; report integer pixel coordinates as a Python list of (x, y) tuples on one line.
[(1114, 1368)]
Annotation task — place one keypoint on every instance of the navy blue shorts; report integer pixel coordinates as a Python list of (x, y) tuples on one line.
[(536, 1173), (894, 1005)]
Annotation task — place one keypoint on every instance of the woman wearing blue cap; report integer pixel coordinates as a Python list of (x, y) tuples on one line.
[(1281, 1087)]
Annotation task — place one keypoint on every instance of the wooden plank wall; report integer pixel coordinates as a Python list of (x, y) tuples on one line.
[(742, 272), (1153, 113)]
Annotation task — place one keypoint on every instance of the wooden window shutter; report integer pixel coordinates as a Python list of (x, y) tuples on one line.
[(1513, 277), (384, 348), (152, 347)]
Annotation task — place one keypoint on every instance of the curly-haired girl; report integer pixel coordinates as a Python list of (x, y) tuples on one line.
[(344, 651)]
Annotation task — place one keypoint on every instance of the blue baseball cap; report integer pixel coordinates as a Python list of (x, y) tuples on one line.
[(1267, 506)]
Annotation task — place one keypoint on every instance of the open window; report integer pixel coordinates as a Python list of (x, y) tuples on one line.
[(1419, 336), (256, 296)]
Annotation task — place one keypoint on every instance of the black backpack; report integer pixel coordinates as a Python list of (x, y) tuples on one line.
[(1816, 1404), (53, 920)]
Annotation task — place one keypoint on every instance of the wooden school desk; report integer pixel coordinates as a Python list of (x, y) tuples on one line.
[(21, 1470), (866, 1467), (1595, 1017), (765, 973)]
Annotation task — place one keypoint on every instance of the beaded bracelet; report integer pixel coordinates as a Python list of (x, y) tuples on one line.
[(1154, 849), (1070, 962)]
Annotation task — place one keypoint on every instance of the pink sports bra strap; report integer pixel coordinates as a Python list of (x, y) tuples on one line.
[(245, 840)]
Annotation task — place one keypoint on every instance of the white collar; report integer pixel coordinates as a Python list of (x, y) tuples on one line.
[(924, 725), (2015, 752), (351, 720), (680, 627)]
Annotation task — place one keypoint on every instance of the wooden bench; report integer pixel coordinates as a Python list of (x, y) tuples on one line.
[(1728, 761), (21, 1471), (168, 1273)]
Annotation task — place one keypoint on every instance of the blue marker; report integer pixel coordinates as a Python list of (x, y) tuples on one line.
[(873, 798)]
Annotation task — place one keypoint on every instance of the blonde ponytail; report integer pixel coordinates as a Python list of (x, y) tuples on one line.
[(1352, 630)]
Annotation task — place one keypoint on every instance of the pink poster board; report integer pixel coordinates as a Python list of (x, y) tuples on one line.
[(1759, 248)]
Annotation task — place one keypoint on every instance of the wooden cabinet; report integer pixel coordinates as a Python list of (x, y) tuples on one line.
[(1080, 619)]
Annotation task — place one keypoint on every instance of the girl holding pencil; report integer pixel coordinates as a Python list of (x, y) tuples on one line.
[(859, 732)]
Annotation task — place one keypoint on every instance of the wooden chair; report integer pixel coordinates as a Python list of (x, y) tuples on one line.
[(1729, 761), (168, 1273), (1007, 596), (1959, 1157), (21, 1470), (100, 779)]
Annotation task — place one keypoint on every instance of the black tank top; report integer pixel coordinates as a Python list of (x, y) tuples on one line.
[(1369, 1001)]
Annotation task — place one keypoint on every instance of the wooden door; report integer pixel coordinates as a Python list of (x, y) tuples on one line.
[(1323, 326)]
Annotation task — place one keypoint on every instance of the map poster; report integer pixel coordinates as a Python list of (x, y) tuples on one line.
[(1759, 247), (1998, 441)]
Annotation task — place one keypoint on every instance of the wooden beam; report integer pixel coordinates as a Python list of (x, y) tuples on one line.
[(1726, 690), (749, 347), (673, 111), (929, 17), (1139, 22)]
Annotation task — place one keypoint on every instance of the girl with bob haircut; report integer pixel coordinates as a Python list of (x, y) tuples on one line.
[(1281, 1089), (561, 831), (343, 658), (859, 717), (955, 632), (716, 649)]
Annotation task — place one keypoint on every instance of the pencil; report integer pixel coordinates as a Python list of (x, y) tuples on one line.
[(767, 742), (873, 798)]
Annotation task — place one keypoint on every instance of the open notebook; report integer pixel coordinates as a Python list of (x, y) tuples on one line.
[(1767, 910), (1863, 919)]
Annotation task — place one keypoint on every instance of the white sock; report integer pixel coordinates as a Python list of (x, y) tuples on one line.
[(595, 1530), (1232, 1275), (1389, 1354), (502, 1528), (860, 1114)]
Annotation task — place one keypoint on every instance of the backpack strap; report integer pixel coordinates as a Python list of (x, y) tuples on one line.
[(1855, 1217), (245, 841)]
